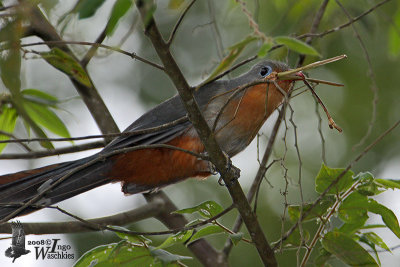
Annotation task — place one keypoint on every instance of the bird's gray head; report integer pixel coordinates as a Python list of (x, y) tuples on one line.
[(266, 67)]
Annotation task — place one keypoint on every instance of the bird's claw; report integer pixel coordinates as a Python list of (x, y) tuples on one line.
[(230, 167)]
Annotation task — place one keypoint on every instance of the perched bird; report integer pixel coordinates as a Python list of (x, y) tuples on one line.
[(233, 110), (17, 248)]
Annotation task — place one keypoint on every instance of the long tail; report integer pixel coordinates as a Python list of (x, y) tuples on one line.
[(20, 187)]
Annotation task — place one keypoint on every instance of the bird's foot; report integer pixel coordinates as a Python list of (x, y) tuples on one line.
[(230, 168)]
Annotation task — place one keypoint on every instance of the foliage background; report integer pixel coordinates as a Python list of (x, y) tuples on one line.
[(130, 87)]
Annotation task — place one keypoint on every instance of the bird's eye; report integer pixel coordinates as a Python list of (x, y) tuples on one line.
[(265, 71)]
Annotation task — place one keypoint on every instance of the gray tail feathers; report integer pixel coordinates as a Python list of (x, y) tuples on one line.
[(21, 187)]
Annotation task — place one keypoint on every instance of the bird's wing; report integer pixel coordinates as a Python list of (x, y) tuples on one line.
[(165, 113)]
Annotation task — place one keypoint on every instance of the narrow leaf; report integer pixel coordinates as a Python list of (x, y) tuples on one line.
[(347, 249), (264, 49), (67, 64), (296, 45), (88, 8), (8, 119), (178, 238), (388, 183), (206, 209), (39, 97), (388, 217), (166, 258), (207, 231), (118, 11), (377, 240), (41, 115), (234, 52), (130, 237)]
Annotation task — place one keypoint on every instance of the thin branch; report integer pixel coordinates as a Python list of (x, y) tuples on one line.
[(317, 235), (92, 50), (148, 210), (178, 23), (10, 135), (133, 55), (216, 32), (374, 86), (338, 28), (219, 76), (53, 152), (41, 27), (155, 206), (322, 195), (111, 135)]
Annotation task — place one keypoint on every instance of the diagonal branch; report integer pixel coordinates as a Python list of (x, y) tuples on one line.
[(218, 158)]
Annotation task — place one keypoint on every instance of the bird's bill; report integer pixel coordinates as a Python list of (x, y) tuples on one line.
[(291, 76)]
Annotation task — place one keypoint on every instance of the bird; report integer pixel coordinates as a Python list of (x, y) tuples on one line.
[(234, 109), (17, 248)]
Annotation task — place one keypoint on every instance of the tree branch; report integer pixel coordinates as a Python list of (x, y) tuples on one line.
[(218, 158), (53, 152)]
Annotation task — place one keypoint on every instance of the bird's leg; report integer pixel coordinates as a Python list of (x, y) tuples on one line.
[(229, 166)]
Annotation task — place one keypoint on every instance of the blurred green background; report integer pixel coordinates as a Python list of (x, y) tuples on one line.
[(130, 87)]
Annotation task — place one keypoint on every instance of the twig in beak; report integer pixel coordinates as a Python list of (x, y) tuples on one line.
[(323, 82), (332, 123)]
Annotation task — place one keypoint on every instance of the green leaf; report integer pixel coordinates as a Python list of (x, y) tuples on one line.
[(236, 238), (125, 254), (388, 183), (10, 66), (39, 97), (375, 239), (234, 52), (316, 212), (116, 254), (206, 231), (264, 49), (118, 11), (67, 64), (296, 45), (130, 237), (347, 250), (322, 258), (327, 175), (178, 238), (41, 115), (295, 239), (175, 4), (206, 209), (351, 228), (388, 217), (167, 258), (394, 38), (354, 209), (8, 119), (88, 8)]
